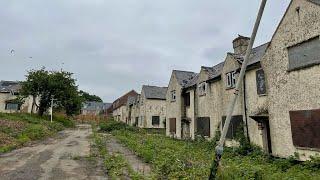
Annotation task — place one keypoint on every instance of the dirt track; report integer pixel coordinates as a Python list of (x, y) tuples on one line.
[(57, 158)]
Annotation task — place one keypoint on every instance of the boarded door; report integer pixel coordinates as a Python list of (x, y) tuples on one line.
[(172, 125), (305, 127)]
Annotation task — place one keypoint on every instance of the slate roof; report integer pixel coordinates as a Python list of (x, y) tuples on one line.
[(95, 106), (255, 56), (132, 100), (184, 77), (10, 86), (154, 92), (123, 100), (217, 69), (315, 1), (192, 82)]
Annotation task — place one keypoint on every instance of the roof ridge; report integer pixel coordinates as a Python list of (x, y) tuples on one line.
[(183, 71)]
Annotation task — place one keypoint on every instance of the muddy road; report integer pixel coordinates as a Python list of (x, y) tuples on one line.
[(62, 157)]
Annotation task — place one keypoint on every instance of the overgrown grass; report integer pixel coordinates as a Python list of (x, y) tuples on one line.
[(18, 129), (176, 159), (115, 164)]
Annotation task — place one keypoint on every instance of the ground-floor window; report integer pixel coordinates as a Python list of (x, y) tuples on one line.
[(12, 106), (203, 126), (235, 124), (172, 125), (141, 120), (305, 128), (155, 120)]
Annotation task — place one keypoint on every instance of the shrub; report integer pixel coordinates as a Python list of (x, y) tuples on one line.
[(110, 125), (66, 122)]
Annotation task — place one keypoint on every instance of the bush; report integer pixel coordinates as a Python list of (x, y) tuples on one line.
[(111, 125), (64, 121)]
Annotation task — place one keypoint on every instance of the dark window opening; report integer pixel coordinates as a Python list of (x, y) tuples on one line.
[(187, 99), (235, 124), (12, 106), (203, 126), (155, 120)]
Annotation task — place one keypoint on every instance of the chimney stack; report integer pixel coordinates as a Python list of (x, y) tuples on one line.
[(240, 44)]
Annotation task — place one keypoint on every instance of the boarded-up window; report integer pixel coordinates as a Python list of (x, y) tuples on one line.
[(155, 120), (304, 54), (172, 125), (235, 123), (305, 127), (203, 126), (261, 85)]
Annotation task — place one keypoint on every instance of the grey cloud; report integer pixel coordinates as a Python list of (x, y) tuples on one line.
[(113, 46)]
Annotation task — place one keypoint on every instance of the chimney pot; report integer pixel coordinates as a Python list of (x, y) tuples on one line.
[(240, 44)]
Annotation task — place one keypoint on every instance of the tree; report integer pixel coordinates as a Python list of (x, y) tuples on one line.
[(88, 97), (52, 84)]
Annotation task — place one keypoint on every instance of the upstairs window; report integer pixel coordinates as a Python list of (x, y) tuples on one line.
[(187, 99), (304, 54), (260, 80), (202, 88), (231, 79), (173, 96)]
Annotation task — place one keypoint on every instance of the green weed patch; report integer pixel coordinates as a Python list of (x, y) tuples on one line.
[(176, 159), (18, 129)]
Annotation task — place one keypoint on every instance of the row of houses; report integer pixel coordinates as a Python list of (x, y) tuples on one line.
[(279, 102), (144, 110)]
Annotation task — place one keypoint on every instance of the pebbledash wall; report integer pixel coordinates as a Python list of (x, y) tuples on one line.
[(292, 90), (173, 106), (152, 107)]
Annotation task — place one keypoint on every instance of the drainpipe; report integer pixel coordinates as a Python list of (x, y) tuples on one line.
[(245, 106)]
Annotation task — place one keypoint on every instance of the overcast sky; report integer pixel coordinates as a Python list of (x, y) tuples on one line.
[(113, 46)]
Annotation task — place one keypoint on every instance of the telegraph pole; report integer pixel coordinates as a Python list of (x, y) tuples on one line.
[(219, 148), (51, 112)]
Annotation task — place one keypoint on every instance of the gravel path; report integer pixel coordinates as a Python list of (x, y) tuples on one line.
[(136, 163), (56, 158)]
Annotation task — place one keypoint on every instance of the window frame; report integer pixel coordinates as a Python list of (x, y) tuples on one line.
[(231, 79), (265, 86), (202, 88), (155, 118), (173, 94)]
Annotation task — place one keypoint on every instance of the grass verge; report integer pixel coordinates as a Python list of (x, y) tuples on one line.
[(18, 129)]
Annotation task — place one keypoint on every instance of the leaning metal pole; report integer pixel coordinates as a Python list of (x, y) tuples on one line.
[(219, 148)]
